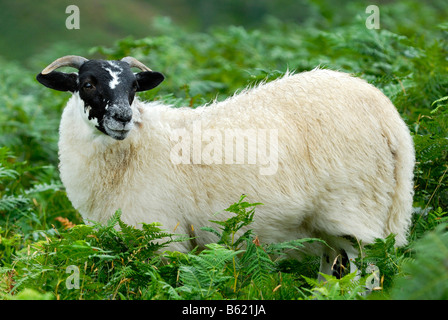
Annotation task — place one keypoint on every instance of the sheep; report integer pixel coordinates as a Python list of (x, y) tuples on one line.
[(326, 153)]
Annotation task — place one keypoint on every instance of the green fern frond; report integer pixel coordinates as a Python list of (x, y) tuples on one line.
[(256, 264), (292, 245), (8, 173), (345, 288), (44, 187), (243, 216), (206, 272), (8, 203), (426, 275)]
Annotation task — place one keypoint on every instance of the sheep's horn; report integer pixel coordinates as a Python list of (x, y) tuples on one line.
[(135, 63), (66, 61)]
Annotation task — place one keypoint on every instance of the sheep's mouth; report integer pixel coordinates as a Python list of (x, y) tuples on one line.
[(117, 134), (117, 129)]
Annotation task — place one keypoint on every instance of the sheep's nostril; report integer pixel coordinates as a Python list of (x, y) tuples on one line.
[(123, 118), (123, 115)]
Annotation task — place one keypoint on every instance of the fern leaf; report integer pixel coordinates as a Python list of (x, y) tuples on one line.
[(426, 276), (8, 203), (206, 272), (43, 187), (8, 173), (256, 263), (297, 244)]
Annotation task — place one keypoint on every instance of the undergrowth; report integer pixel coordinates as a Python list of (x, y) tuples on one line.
[(47, 252), (105, 262)]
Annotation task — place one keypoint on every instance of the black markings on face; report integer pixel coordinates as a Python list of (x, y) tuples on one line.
[(107, 89)]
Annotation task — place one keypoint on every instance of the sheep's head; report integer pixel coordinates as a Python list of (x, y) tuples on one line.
[(107, 88)]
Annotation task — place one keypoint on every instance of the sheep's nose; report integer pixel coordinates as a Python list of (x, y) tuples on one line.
[(122, 114)]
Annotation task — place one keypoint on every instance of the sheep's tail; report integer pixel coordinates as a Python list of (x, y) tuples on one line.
[(400, 212)]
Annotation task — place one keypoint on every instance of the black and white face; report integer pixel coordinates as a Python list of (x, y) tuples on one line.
[(107, 89)]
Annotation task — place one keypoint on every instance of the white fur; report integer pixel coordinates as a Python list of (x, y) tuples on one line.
[(114, 74), (345, 163)]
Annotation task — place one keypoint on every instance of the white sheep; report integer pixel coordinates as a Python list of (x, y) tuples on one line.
[(326, 153)]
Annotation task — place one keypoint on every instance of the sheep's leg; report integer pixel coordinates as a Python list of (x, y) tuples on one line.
[(326, 263), (338, 262), (352, 254)]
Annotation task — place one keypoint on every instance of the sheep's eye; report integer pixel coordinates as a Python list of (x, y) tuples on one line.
[(88, 86)]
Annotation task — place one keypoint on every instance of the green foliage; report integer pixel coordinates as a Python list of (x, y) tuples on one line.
[(242, 218), (29, 116), (386, 257), (345, 288), (30, 198), (118, 261), (425, 220), (431, 132), (114, 261), (41, 235), (30, 294), (426, 275), (204, 276)]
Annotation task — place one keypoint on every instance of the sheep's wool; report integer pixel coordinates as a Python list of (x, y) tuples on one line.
[(342, 162)]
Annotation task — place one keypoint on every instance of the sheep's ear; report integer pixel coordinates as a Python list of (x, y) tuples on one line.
[(148, 80), (59, 81)]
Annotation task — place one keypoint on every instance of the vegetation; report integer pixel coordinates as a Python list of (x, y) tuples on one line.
[(48, 252)]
